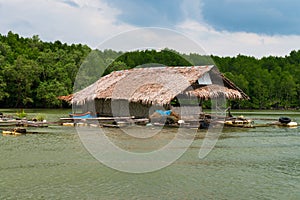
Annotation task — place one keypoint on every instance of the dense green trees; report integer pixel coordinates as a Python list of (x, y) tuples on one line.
[(33, 73), (147, 58), (271, 82)]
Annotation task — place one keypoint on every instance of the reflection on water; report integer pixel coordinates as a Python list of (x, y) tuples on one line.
[(260, 163)]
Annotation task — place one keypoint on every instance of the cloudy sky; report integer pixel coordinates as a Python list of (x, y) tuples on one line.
[(221, 27)]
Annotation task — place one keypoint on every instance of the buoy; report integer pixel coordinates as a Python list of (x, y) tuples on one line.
[(149, 124), (68, 124), (17, 134), (94, 125), (180, 121), (81, 124), (292, 124), (7, 132)]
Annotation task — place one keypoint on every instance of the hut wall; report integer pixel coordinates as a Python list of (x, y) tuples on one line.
[(123, 108), (103, 107), (142, 110), (188, 112), (120, 108), (89, 106)]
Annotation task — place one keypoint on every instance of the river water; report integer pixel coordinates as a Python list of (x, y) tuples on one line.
[(256, 163)]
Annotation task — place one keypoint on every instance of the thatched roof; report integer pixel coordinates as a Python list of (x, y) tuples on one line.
[(214, 91), (157, 85)]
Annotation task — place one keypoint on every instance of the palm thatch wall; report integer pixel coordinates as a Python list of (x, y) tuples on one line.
[(142, 88)]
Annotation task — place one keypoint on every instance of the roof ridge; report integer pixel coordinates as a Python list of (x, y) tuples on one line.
[(164, 67)]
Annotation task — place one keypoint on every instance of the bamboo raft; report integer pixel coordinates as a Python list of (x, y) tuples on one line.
[(118, 122), (201, 123), (24, 123), (104, 121)]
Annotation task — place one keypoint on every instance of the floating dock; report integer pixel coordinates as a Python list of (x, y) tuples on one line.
[(103, 121)]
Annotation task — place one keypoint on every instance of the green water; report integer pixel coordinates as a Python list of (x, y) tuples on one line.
[(260, 163)]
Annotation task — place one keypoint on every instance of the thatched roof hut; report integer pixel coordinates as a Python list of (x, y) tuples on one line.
[(156, 86)]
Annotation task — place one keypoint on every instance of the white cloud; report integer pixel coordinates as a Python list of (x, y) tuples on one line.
[(226, 43), (151, 38), (89, 23), (233, 43), (94, 21)]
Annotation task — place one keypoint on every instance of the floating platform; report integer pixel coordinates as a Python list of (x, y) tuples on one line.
[(103, 121), (290, 124), (23, 123), (201, 123), (10, 122), (97, 118)]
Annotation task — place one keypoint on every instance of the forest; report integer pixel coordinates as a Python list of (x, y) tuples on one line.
[(33, 73)]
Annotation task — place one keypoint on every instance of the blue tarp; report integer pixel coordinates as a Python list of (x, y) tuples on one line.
[(164, 112), (83, 117)]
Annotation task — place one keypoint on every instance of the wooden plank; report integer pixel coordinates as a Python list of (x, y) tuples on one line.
[(98, 118), (110, 118)]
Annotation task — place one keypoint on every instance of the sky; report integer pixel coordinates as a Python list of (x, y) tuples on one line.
[(220, 27)]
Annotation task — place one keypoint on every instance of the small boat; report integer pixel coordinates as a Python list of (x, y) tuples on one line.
[(239, 122), (81, 115)]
